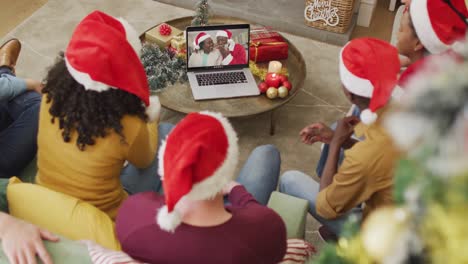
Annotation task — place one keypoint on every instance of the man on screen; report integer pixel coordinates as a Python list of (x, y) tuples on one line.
[(233, 53), (204, 53)]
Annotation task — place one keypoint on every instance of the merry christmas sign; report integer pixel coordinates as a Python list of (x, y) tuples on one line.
[(322, 10)]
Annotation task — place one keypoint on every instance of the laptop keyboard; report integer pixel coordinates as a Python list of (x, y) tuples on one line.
[(219, 78)]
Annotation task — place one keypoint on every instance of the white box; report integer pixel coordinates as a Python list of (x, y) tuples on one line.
[(366, 12)]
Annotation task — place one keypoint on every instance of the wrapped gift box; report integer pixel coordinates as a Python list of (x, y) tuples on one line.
[(264, 50), (178, 42), (258, 33), (154, 36)]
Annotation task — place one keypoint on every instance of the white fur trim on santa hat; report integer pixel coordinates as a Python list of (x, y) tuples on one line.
[(222, 33), (227, 60), (226, 172), (85, 79), (368, 117), (162, 149), (168, 221), (353, 83), (153, 110), (422, 25), (132, 36), (200, 40)]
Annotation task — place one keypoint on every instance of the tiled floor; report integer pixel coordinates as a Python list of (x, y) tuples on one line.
[(47, 31)]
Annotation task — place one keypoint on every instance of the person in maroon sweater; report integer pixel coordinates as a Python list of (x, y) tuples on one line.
[(192, 223), (233, 53)]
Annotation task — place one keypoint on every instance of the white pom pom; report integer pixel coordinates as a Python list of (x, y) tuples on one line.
[(132, 36), (168, 221), (368, 117), (154, 109)]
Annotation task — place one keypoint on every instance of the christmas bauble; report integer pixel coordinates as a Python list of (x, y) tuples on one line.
[(288, 85), (263, 87), (382, 231), (272, 80), (272, 93), (165, 30), (283, 92), (283, 78)]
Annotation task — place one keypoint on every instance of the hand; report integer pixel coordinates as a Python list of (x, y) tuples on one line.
[(344, 130), (34, 85), (22, 241), (228, 188), (223, 51), (404, 61), (317, 132)]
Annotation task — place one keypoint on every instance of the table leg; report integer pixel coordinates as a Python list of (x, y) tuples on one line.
[(272, 122)]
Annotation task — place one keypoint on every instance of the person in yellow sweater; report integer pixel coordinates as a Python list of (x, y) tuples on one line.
[(98, 126)]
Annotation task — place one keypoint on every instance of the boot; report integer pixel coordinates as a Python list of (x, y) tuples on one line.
[(9, 53)]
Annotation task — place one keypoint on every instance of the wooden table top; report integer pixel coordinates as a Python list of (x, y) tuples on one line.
[(179, 96)]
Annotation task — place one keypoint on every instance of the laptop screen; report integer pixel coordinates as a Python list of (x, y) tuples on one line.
[(215, 47)]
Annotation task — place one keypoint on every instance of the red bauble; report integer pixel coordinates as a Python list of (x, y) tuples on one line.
[(263, 87), (288, 85), (273, 80), (165, 30), (283, 78)]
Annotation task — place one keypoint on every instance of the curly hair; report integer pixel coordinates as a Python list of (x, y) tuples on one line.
[(91, 114)]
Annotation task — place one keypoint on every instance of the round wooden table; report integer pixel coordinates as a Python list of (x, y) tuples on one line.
[(179, 97)]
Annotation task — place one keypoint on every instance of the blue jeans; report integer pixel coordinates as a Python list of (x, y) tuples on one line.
[(326, 148), (135, 180), (18, 131), (260, 173), (301, 185)]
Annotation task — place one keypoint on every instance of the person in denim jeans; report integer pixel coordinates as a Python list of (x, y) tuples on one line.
[(19, 111)]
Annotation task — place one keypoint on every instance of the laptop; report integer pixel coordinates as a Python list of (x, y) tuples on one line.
[(217, 69)]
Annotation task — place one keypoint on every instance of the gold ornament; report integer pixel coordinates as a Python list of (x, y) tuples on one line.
[(382, 230), (353, 251), (283, 92), (272, 93), (444, 233)]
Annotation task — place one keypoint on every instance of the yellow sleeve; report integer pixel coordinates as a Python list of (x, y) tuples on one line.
[(144, 147), (348, 189)]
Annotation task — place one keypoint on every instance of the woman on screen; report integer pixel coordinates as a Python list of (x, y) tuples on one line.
[(204, 54)]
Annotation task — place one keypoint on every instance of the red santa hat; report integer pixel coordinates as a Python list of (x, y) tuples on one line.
[(197, 159), (369, 68), (202, 36), (437, 25), (103, 54), (227, 34)]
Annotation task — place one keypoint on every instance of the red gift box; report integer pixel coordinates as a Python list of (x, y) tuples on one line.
[(264, 50), (258, 33)]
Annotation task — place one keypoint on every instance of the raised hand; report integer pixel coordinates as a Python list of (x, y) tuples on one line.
[(344, 130), (316, 132)]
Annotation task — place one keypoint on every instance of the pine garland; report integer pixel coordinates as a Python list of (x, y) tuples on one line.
[(202, 10), (161, 68)]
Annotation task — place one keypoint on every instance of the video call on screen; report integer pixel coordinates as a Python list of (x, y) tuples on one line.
[(209, 53)]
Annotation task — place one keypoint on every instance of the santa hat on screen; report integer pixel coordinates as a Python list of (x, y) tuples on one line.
[(437, 25), (369, 68), (202, 36), (103, 55), (227, 34), (197, 159)]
